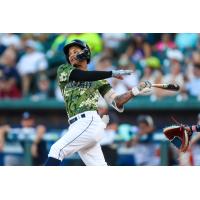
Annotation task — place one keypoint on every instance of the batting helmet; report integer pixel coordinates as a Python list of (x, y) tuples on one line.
[(80, 44)]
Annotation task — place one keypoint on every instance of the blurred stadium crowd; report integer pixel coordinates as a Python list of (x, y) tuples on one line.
[(28, 62), (28, 65)]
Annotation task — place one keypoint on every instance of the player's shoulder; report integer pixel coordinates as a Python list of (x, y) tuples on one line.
[(63, 72), (64, 68)]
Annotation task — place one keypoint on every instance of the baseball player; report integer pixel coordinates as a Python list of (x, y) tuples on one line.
[(81, 90)]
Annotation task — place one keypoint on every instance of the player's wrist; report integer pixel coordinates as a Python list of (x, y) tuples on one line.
[(135, 91)]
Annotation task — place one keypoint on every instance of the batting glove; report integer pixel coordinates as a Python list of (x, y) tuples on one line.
[(142, 88), (117, 73)]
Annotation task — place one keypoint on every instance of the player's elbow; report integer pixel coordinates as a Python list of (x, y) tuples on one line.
[(118, 107)]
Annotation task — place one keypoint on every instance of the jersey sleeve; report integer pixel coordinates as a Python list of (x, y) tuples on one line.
[(63, 73), (103, 87)]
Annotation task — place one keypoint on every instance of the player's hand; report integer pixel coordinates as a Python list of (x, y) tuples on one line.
[(144, 84), (34, 150), (120, 73), (142, 88)]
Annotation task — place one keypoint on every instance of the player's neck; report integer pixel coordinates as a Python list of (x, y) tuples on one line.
[(81, 67)]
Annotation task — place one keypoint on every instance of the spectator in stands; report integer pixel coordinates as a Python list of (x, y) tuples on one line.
[(148, 60), (38, 148), (10, 40), (118, 86), (9, 77), (193, 86), (104, 64), (157, 93), (57, 45), (145, 151), (149, 57), (31, 63), (175, 76), (138, 43), (39, 41), (114, 43), (190, 62), (131, 80), (113, 40), (127, 56), (151, 66), (165, 43), (43, 90)]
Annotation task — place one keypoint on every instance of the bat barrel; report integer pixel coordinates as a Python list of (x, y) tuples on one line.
[(172, 87)]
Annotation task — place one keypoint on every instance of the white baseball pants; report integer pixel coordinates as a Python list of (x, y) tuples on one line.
[(83, 136)]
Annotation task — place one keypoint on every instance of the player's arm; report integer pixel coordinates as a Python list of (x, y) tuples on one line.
[(80, 75), (40, 131), (67, 73), (195, 128), (3, 131), (143, 87), (118, 101), (191, 129)]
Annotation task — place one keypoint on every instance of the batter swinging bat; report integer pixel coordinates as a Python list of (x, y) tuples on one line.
[(171, 87)]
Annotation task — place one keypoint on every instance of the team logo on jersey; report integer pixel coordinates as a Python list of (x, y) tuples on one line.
[(72, 84)]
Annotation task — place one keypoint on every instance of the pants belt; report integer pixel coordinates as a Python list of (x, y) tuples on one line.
[(71, 121)]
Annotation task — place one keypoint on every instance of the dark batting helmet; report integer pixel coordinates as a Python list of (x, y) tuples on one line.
[(80, 44)]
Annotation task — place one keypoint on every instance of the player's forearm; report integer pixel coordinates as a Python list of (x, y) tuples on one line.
[(80, 75), (39, 134), (120, 100)]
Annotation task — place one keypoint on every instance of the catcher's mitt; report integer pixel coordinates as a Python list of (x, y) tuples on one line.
[(179, 136)]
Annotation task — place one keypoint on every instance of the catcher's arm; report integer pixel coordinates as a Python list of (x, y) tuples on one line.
[(194, 128), (40, 131), (118, 101)]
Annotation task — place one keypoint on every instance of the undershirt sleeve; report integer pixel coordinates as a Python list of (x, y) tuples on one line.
[(80, 75)]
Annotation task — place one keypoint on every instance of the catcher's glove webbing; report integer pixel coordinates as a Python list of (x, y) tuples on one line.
[(179, 136)]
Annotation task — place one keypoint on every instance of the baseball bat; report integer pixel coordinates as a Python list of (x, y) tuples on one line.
[(165, 86)]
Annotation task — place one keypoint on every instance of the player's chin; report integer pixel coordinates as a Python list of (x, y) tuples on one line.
[(75, 63)]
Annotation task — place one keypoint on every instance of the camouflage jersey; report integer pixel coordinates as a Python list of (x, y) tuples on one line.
[(80, 96)]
